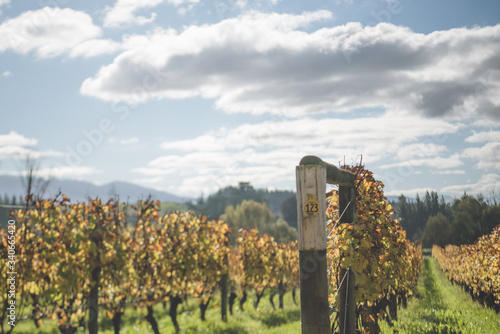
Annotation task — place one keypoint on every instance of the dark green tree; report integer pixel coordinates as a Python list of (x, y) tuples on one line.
[(437, 231), (215, 204), (491, 218), (289, 210), (251, 214)]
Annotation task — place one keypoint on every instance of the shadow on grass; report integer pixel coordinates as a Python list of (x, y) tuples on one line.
[(432, 297), (230, 330), (279, 318)]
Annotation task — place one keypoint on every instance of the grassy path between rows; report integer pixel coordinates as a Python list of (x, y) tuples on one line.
[(263, 320), (440, 307)]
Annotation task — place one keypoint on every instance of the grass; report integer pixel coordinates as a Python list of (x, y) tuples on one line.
[(263, 320), (440, 307), (437, 307)]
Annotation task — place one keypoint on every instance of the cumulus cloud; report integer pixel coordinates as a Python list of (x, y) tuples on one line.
[(408, 192), (151, 180), (51, 32), (3, 3), (487, 156), (450, 172), (19, 152), (57, 172), (434, 162), (15, 139), (129, 141), (485, 185), (484, 136), (67, 171), (94, 47), (268, 63), (486, 123), (123, 12), (418, 150), (16, 146), (265, 153)]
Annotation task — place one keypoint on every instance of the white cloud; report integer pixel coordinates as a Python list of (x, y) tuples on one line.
[(419, 150), (150, 171), (435, 162), (13, 146), (485, 185), (151, 180), (49, 32), (67, 171), (57, 172), (408, 192), (484, 136), (129, 141), (265, 153), (15, 139), (487, 156), (123, 13), (254, 4), (3, 3), (450, 172), (369, 133), (486, 123), (6, 74), (94, 47), (262, 63), (19, 152)]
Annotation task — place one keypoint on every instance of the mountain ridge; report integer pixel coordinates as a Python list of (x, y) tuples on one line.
[(78, 190)]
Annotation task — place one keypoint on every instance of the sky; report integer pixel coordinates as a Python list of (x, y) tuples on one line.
[(189, 96)]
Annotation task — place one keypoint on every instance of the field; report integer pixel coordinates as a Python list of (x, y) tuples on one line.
[(263, 320), (437, 307), (440, 307), (75, 256)]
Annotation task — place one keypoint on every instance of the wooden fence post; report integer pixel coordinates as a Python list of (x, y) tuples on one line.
[(312, 176), (311, 209)]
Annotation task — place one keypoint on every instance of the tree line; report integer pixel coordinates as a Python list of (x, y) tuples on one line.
[(281, 203), (6, 204), (271, 212), (432, 220)]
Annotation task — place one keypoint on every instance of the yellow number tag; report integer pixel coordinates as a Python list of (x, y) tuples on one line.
[(312, 205)]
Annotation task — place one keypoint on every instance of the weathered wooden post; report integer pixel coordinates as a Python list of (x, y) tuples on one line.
[(312, 176)]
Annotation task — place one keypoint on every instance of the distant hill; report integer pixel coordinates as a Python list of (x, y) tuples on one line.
[(82, 190)]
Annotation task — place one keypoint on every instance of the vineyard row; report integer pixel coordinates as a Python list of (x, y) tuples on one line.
[(475, 267), (77, 260)]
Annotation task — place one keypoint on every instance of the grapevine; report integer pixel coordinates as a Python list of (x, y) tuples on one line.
[(79, 258), (386, 264), (475, 267)]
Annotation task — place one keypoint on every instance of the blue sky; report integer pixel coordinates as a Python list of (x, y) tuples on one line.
[(189, 96)]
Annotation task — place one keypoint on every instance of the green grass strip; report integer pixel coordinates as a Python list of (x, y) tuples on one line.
[(442, 308), (263, 320)]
